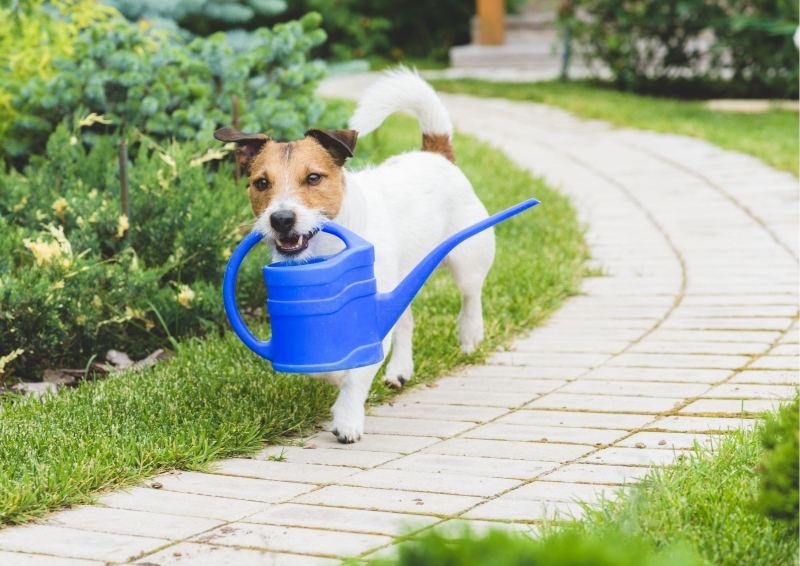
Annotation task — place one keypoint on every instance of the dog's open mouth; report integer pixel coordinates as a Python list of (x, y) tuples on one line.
[(293, 244)]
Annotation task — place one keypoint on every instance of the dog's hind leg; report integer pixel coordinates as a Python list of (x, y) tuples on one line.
[(469, 264), (401, 364)]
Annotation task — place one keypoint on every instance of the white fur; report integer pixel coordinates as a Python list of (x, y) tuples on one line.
[(405, 206), (401, 90)]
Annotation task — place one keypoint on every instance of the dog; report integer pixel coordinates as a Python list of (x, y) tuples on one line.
[(404, 207)]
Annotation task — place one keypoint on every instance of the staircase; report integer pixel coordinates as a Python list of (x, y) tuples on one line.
[(532, 43)]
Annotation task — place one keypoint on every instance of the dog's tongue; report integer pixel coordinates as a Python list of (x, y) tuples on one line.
[(292, 243)]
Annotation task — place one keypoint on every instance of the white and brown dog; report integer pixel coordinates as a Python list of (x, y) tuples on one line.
[(404, 206)]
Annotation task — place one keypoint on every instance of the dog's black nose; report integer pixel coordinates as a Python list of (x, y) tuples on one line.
[(282, 221)]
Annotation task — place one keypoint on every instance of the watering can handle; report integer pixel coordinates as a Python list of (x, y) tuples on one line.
[(260, 347), (350, 238)]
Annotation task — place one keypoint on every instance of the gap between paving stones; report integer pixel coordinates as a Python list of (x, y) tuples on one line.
[(710, 183)]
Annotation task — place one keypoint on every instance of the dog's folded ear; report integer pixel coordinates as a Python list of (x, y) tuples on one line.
[(339, 143), (247, 145)]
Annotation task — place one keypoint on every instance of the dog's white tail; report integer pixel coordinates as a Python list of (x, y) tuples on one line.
[(402, 89)]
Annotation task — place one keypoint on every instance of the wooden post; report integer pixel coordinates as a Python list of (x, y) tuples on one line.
[(123, 183), (491, 22), (237, 173)]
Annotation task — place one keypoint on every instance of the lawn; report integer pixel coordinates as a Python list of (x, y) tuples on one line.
[(771, 136), (706, 509), (707, 503), (216, 399)]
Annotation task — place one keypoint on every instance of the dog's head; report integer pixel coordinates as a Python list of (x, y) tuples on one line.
[(294, 186)]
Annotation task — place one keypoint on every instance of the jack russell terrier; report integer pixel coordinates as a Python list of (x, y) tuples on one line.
[(405, 206)]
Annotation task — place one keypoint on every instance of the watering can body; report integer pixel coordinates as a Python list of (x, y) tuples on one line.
[(326, 314)]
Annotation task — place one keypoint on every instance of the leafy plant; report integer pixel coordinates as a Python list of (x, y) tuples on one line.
[(155, 82), (778, 495), (201, 16), (390, 29), (568, 548), (692, 47), (78, 277), (356, 28), (32, 37)]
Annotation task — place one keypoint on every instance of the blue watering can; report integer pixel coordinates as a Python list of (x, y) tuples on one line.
[(327, 314)]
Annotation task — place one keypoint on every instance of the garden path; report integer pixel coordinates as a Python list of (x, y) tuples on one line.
[(693, 322)]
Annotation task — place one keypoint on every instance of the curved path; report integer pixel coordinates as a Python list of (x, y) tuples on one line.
[(693, 322)]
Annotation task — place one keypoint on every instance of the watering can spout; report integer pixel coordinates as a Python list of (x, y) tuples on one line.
[(391, 305)]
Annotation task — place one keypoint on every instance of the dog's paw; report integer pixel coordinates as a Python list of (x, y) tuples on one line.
[(395, 381), (398, 373), (348, 428), (470, 341), (470, 333), (347, 435)]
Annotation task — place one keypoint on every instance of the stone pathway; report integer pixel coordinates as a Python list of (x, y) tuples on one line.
[(693, 323)]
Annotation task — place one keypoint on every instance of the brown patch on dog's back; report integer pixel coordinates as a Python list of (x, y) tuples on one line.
[(439, 143), (286, 166)]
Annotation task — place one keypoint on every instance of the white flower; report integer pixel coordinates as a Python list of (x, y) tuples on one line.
[(60, 207), (8, 358), (43, 252), (46, 252), (210, 155), (122, 225), (20, 205), (92, 119), (185, 296)]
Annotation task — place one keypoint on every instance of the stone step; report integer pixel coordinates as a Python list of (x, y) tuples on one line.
[(525, 55), (522, 25), (524, 28)]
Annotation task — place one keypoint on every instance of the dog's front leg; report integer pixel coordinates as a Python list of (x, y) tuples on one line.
[(348, 411)]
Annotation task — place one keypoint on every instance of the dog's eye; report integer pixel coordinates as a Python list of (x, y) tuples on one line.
[(314, 179), (261, 184)]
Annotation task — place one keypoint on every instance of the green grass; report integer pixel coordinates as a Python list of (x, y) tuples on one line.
[(704, 506), (216, 399), (707, 502), (771, 136), (378, 63), (504, 548)]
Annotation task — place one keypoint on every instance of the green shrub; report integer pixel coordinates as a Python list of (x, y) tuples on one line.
[(32, 37), (778, 495), (693, 47), (390, 29), (356, 28), (568, 548), (156, 82), (201, 17), (78, 277)]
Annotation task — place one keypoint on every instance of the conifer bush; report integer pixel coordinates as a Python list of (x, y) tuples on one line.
[(159, 83), (201, 16), (31, 37)]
